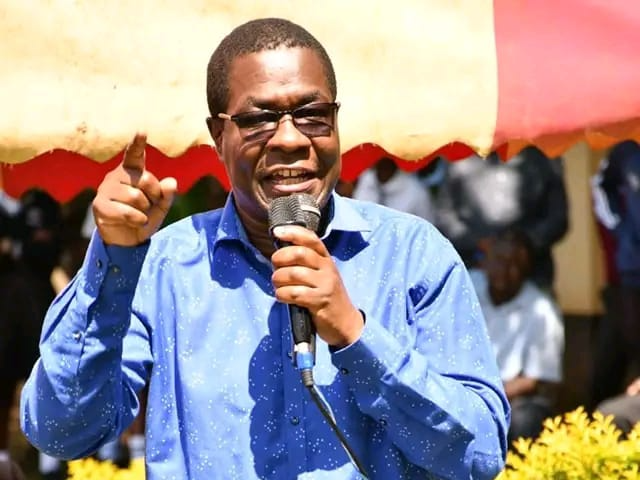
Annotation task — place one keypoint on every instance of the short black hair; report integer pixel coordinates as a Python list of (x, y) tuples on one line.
[(253, 37)]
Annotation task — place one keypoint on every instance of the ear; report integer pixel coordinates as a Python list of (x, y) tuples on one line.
[(216, 127)]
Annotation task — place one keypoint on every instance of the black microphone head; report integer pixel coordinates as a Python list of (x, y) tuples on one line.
[(310, 209), (285, 211), (299, 209)]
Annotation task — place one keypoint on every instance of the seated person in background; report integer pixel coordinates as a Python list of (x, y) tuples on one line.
[(625, 408), (479, 198), (526, 331), (387, 185)]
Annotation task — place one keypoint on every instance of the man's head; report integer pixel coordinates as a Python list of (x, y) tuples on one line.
[(385, 169), (508, 265), (254, 37), (39, 224), (273, 65)]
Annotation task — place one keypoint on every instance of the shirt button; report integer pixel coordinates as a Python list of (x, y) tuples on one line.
[(115, 269), (344, 371), (295, 420), (99, 263), (77, 336), (383, 422)]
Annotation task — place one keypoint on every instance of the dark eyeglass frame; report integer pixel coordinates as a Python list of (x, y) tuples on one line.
[(308, 125)]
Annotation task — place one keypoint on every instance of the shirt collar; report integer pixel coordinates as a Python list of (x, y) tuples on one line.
[(343, 216)]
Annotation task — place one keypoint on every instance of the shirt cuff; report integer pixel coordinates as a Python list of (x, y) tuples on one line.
[(370, 358), (118, 267)]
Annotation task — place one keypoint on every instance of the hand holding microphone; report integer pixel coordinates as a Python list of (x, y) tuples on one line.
[(306, 275), (308, 280)]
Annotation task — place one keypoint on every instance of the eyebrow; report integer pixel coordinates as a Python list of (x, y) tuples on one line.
[(274, 105)]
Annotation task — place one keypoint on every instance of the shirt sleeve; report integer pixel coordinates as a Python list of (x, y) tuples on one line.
[(604, 189), (437, 392), (543, 357), (82, 390), (549, 222), (450, 200)]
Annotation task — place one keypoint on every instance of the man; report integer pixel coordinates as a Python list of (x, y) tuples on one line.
[(15, 313), (25, 292), (526, 331), (387, 185), (200, 310), (616, 202), (481, 197)]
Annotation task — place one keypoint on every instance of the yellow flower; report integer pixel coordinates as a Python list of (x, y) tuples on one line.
[(92, 469), (576, 447)]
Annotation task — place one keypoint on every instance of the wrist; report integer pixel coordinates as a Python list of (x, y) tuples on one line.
[(352, 332)]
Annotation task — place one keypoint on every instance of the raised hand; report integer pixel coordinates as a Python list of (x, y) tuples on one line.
[(131, 202), (306, 275)]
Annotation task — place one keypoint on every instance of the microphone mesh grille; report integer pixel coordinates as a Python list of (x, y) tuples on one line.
[(310, 210), (299, 209)]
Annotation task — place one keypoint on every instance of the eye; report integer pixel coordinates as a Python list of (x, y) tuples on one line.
[(258, 119), (313, 112)]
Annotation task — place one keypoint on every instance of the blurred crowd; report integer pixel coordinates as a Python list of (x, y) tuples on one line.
[(503, 218)]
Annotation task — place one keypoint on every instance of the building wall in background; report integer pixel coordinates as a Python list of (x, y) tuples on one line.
[(578, 257)]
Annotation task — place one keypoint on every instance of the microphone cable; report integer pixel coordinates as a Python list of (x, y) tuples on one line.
[(307, 380), (302, 210)]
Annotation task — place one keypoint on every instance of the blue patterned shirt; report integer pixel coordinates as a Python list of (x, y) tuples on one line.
[(193, 313)]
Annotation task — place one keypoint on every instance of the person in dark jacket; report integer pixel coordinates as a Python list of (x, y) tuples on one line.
[(616, 203), (481, 197)]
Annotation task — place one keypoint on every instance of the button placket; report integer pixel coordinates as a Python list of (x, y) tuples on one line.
[(294, 400)]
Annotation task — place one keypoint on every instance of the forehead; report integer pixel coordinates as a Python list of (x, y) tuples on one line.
[(277, 78)]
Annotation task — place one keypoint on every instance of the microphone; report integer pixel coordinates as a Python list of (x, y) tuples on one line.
[(299, 209), (302, 209)]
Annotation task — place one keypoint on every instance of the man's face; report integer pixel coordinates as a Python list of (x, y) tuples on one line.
[(506, 270), (288, 162)]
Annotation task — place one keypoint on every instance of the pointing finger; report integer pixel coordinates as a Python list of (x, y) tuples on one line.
[(134, 154)]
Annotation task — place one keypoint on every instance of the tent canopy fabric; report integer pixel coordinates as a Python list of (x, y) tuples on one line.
[(415, 78)]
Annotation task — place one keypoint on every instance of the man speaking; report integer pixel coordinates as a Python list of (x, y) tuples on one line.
[(200, 310)]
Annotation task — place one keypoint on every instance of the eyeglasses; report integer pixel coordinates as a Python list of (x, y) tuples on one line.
[(312, 120)]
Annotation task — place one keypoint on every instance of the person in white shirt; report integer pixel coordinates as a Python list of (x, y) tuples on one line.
[(387, 185), (526, 330)]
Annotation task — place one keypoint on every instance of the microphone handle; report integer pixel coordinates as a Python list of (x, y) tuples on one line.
[(303, 332), (302, 329)]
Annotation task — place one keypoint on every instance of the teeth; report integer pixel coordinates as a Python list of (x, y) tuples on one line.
[(290, 173)]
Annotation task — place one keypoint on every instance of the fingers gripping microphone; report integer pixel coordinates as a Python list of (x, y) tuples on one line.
[(302, 210)]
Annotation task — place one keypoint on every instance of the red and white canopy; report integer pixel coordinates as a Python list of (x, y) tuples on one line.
[(416, 79)]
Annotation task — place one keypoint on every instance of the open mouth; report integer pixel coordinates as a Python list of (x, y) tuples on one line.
[(289, 177), (287, 181)]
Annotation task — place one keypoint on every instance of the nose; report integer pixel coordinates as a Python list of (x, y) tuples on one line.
[(287, 137)]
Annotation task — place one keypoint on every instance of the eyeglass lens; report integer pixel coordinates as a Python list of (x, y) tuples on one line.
[(312, 120)]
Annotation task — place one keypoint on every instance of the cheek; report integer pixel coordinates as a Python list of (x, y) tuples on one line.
[(329, 156), (240, 163)]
